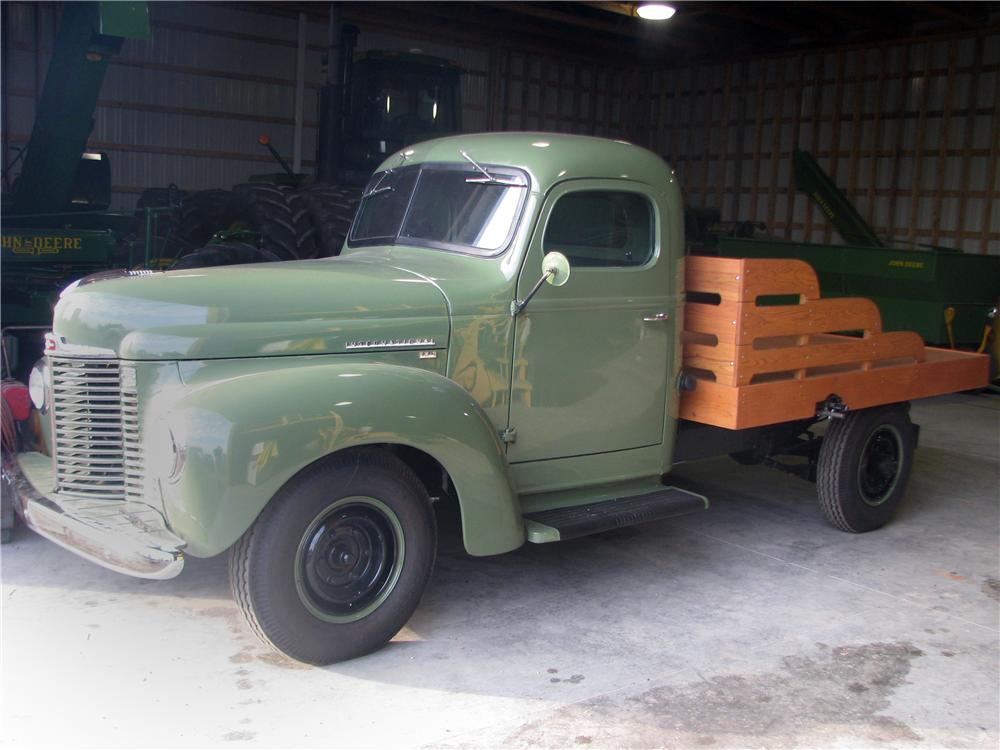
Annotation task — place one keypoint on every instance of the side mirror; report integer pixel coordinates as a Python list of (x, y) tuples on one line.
[(555, 266), (555, 270)]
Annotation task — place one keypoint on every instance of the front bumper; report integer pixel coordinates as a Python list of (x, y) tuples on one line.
[(123, 536)]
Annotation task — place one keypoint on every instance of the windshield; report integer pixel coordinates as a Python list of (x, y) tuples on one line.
[(450, 207)]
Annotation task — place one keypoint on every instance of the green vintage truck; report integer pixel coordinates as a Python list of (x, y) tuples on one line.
[(501, 338)]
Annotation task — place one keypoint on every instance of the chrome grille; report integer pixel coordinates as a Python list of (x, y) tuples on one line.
[(87, 428), (135, 477)]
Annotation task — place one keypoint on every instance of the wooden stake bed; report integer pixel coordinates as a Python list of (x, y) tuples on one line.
[(759, 363)]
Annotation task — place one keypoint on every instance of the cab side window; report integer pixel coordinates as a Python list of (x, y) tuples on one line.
[(601, 228)]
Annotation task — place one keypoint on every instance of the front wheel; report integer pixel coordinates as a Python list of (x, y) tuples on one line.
[(336, 564), (863, 467)]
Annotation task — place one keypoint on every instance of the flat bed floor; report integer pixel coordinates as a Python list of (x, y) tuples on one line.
[(754, 624)]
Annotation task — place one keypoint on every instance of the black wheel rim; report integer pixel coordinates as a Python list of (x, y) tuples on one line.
[(878, 470), (349, 559)]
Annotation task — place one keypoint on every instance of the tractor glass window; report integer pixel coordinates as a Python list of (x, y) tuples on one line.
[(463, 210), (383, 205), (601, 228), (402, 105)]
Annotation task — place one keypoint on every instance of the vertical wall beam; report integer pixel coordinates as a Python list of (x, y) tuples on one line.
[(991, 194), (942, 157), (720, 179), (300, 91), (835, 126), (758, 141), (791, 193), (707, 134), (777, 125), (967, 135), (919, 150), (877, 127), (897, 145), (857, 112)]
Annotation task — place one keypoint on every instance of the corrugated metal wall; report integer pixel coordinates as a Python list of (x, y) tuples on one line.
[(909, 131)]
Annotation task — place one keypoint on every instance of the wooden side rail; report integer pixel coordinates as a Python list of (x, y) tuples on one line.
[(762, 363), (738, 341)]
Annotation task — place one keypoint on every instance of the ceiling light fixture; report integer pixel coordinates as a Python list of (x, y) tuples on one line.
[(655, 11)]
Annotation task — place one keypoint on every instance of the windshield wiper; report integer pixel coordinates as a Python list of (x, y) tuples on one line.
[(376, 189), (487, 178)]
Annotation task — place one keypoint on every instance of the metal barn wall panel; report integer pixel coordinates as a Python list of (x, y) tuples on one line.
[(909, 130)]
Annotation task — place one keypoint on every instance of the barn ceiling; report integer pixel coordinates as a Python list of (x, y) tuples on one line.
[(700, 31)]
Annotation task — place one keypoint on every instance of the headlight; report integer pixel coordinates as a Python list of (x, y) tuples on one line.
[(38, 386)]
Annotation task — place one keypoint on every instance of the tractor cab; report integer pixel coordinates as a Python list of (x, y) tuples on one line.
[(397, 99)]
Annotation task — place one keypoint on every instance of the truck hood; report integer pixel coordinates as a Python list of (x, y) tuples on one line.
[(270, 309)]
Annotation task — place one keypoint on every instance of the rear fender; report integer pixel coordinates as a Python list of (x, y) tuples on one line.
[(243, 438)]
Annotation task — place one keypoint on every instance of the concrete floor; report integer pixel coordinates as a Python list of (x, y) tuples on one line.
[(752, 625)]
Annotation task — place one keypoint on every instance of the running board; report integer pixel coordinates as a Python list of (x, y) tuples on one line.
[(560, 524)]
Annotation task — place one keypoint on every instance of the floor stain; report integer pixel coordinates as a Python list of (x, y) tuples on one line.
[(574, 679), (238, 736), (806, 700), (244, 684), (280, 660), (991, 587), (230, 614)]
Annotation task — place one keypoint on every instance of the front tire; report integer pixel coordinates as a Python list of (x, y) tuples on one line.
[(863, 467), (336, 564)]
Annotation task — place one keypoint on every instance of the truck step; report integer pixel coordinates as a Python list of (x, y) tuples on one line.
[(560, 524)]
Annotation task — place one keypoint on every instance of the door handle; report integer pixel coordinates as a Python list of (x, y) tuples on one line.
[(658, 318)]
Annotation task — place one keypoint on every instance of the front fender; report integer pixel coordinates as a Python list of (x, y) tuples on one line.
[(244, 437)]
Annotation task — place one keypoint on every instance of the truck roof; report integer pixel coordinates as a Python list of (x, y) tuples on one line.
[(547, 157)]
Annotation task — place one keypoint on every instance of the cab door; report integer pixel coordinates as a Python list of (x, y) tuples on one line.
[(590, 357)]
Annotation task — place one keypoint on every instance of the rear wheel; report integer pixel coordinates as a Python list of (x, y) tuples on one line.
[(864, 464), (336, 564)]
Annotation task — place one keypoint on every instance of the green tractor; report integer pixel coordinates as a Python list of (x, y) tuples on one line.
[(371, 105), (56, 226)]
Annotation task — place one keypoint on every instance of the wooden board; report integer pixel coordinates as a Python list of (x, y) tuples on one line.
[(745, 279), (758, 365)]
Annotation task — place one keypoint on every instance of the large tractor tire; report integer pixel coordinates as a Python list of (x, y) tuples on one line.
[(225, 254), (252, 207), (263, 208), (331, 209), (203, 214), (305, 232)]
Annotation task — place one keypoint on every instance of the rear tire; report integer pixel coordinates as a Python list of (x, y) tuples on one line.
[(337, 562), (864, 464)]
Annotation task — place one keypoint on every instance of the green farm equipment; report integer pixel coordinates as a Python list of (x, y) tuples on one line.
[(943, 294), (370, 105), (56, 226)]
